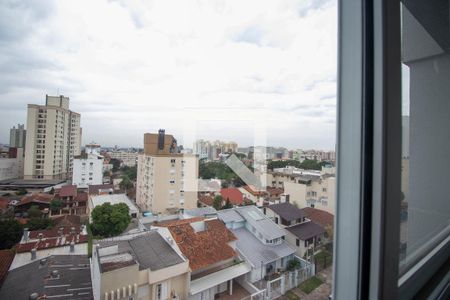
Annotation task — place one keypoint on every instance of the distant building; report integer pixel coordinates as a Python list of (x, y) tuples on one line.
[(53, 139), (213, 150), (88, 167), (17, 136), (12, 166), (166, 179), (128, 158)]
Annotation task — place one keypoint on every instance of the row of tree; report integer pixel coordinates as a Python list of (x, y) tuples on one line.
[(307, 164)]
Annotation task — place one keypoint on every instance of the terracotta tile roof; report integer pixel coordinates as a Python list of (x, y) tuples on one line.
[(68, 191), (234, 195), (6, 258), (274, 192), (204, 248), (54, 232), (206, 200), (82, 197), (51, 243), (67, 220), (40, 198), (319, 216)]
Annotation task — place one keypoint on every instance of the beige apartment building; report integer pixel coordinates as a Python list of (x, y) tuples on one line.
[(307, 190), (53, 139), (166, 179)]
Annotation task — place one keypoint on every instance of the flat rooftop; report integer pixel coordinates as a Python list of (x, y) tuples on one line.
[(72, 281), (22, 183)]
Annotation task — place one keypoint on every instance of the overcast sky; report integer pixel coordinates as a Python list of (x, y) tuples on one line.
[(131, 67)]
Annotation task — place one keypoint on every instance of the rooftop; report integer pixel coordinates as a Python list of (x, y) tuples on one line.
[(256, 252), (114, 199), (234, 195), (149, 250), (305, 231), (68, 191), (319, 216), (287, 211), (204, 243), (98, 189), (40, 198), (71, 280), (6, 258), (200, 212)]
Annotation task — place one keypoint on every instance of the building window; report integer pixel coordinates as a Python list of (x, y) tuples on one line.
[(297, 242)]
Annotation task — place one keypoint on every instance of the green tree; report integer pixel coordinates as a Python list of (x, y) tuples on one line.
[(55, 205), (39, 223), (34, 212), (126, 183), (116, 164), (227, 205), (10, 233), (131, 172), (110, 220), (217, 203)]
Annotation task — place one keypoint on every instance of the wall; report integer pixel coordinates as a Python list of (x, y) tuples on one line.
[(96, 169)]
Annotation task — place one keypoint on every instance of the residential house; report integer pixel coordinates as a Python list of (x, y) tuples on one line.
[(100, 189), (210, 248), (259, 240), (146, 266), (73, 201), (302, 233), (42, 201)]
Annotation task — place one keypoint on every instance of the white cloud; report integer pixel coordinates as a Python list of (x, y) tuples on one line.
[(131, 67)]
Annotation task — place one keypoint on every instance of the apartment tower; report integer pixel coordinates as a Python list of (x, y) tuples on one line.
[(53, 138), (166, 179), (17, 136)]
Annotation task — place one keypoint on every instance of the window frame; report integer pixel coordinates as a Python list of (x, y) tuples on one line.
[(367, 223)]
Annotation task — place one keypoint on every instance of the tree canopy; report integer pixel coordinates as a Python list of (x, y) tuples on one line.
[(39, 223), (110, 220), (10, 233), (55, 205), (116, 164), (307, 164), (126, 183), (130, 172), (34, 212), (217, 203)]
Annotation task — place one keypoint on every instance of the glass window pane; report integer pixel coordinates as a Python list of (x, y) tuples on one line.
[(425, 213)]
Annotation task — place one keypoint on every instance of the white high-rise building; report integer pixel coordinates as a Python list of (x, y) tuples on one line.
[(17, 136), (88, 167), (53, 139)]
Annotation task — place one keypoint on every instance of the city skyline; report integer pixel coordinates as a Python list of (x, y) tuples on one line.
[(135, 70)]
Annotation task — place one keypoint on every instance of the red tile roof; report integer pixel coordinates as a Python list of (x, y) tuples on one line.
[(234, 195), (51, 243), (6, 258), (68, 191), (40, 198), (274, 192), (82, 197), (67, 220), (252, 190), (178, 222), (206, 200), (204, 248), (54, 232), (319, 216)]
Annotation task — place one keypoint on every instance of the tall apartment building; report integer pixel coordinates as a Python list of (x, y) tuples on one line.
[(212, 150), (17, 136), (165, 177), (53, 139)]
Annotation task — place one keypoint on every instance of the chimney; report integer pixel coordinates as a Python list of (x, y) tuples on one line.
[(72, 247), (33, 254), (161, 134)]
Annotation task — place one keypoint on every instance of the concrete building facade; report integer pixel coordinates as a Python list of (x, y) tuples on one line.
[(12, 167), (88, 168), (53, 139), (166, 179)]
